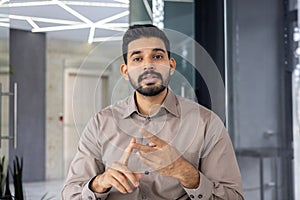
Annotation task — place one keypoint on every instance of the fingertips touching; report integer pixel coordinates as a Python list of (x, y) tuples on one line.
[(138, 176)]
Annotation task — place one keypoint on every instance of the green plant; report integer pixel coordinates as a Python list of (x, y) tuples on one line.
[(2, 176), (7, 193), (4, 181), (45, 196), (17, 177)]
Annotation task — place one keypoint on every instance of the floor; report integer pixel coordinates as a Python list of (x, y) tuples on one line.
[(49, 190)]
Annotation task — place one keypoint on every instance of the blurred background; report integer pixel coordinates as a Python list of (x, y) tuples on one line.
[(59, 64)]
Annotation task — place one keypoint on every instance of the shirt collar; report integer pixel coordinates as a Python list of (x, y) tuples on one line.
[(170, 104), (131, 107)]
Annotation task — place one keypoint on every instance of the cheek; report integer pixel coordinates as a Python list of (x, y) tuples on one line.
[(134, 75), (135, 71), (165, 72)]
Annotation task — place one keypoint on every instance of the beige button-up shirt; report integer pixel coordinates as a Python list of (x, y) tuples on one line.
[(196, 132)]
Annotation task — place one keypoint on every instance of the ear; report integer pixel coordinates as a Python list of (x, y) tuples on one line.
[(172, 65), (124, 71)]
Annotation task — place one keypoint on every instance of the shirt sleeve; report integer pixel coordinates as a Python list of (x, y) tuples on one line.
[(87, 193), (86, 164), (220, 177)]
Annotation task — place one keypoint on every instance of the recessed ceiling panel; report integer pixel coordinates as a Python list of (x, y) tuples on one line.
[(80, 19), (50, 11), (98, 13), (76, 35), (107, 33)]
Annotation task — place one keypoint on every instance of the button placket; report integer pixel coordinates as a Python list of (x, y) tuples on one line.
[(144, 196), (147, 121)]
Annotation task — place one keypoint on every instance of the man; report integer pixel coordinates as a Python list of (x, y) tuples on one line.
[(154, 144)]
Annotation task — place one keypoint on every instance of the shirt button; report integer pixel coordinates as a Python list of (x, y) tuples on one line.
[(90, 198), (192, 196), (144, 196), (200, 196)]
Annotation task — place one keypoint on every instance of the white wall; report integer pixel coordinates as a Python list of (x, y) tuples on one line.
[(62, 54)]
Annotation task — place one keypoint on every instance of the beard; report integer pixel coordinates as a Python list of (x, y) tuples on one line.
[(152, 89)]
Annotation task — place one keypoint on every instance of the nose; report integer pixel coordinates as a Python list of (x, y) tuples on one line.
[(148, 63), (149, 66)]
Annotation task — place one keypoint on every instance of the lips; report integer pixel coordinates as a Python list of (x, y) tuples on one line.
[(149, 77)]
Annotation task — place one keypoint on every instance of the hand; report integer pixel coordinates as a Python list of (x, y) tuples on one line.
[(167, 160), (118, 175)]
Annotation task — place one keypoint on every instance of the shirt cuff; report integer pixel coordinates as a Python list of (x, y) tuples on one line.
[(204, 190), (88, 194)]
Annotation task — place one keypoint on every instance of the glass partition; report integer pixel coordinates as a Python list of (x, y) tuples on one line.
[(258, 68), (295, 5)]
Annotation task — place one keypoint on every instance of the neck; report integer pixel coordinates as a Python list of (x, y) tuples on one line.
[(148, 105)]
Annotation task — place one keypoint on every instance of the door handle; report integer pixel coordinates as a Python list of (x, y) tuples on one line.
[(15, 137)]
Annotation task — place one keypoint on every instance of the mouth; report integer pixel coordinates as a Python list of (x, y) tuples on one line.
[(149, 78)]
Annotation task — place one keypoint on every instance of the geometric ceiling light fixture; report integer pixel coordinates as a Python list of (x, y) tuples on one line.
[(158, 13), (4, 21), (78, 11), (79, 3)]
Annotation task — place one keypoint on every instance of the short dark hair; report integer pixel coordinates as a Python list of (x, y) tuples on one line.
[(138, 31)]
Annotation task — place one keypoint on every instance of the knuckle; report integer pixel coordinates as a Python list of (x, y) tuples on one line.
[(109, 170)]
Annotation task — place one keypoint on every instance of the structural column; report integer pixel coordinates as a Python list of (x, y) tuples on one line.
[(139, 12)]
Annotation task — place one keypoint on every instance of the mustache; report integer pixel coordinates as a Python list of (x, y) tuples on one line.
[(152, 72)]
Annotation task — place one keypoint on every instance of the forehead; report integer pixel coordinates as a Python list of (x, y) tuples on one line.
[(146, 43)]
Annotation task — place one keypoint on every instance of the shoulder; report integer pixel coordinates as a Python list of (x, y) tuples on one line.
[(189, 107), (115, 110)]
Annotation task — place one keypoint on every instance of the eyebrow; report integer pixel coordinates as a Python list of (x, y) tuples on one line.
[(159, 49), (135, 52), (155, 50)]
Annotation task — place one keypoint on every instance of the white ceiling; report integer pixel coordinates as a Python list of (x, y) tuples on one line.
[(90, 20), (83, 20)]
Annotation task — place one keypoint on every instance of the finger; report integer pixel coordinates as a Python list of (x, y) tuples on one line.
[(154, 160), (127, 152), (108, 180), (127, 173), (154, 139), (116, 184), (148, 161), (151, 144), (143, 148), (132, 178), (121, 182), (138, 175)]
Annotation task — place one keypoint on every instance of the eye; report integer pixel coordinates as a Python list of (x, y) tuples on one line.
[(158, 57), (137, 59)]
